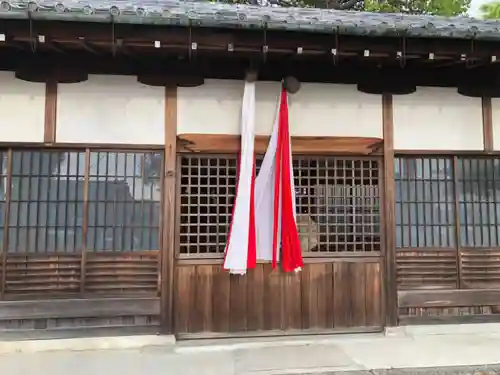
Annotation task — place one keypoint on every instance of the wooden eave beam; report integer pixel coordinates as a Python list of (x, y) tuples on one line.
[(230, 144), (245, 39)]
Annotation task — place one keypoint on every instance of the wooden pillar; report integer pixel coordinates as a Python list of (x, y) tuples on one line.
[(50, 111), (391, 295), (487, 124), (5, 244), (169, 211)]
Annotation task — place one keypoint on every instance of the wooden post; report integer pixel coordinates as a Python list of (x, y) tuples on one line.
[(487, 124), (5, 244), (85, 224), (49, 135), (391, 295), (169, 211)]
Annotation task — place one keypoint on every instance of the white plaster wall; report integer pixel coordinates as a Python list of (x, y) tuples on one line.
[(495, 109), (22, 109), (316, 110), (435, 118), (110, 109)]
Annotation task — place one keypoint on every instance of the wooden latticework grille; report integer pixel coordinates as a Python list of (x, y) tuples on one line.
[(447, 221), (79, 221), (337, 202)]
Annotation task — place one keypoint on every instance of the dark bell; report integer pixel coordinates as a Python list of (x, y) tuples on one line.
[(291, 84), (251, 76)]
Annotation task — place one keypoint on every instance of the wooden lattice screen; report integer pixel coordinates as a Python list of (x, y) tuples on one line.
[(448, 226), (77, 222), (337, 202)]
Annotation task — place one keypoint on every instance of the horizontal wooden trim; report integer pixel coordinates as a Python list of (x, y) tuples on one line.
[(78, 254), (424, 249), (79, 308), (449, 298), (445, 152), (225, 143), (55, 333), (277, 333), (319, 258), (77, 146), (444, 319)]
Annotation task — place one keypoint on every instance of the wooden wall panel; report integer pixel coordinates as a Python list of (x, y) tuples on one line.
[(480, 268), (324, 296), (60, 275), (427, 268)]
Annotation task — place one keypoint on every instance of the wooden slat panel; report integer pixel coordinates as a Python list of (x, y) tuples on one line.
[(448, 298), (426, 268), (119, 272), (324, 296), (42, 274), (78, 308), (223, 143), (481, 268)]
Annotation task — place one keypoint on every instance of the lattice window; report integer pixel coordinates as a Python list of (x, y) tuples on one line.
[(425, 202), (478, 181), (46, 201), (124, 201), (63, 201), (337, 203)]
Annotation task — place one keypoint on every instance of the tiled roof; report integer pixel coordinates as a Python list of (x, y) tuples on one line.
[(208, 14)]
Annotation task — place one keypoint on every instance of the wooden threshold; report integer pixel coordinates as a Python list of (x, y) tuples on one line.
[(448, 298), (79, 308), (277, 333), (226, 143), (444, 319)]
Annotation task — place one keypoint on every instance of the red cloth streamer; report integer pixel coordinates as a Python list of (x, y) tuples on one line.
[(284, 208)]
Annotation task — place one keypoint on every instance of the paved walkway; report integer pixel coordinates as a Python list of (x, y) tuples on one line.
[(419, 350)]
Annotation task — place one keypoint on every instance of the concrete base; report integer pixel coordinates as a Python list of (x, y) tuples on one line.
[(462, 370), (443, 329), (429, 350)]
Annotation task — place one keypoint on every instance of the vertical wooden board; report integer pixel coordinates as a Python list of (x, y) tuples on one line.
[(330, 301), (376, 294), (184, 284), (169, 207), (342, 295), (305, 287), (238, 303), (487, 124), (327, 295), (318, 291), (293, 301), (358, 279), (221, 300), (49, 135), (255, 298), (388, 212), (273, 299), (203, 298)]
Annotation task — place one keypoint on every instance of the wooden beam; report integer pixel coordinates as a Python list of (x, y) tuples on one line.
[(49, 135), (168, 217), (79, 308), (244, 38), (223, 143), (448, 298), (449, 319), (487, 124), (389, 221)]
